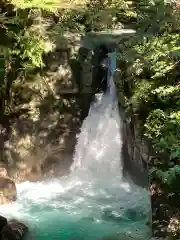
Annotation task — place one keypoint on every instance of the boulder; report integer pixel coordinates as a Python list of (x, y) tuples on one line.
[(3, 222), (14, 230), (7, 190)]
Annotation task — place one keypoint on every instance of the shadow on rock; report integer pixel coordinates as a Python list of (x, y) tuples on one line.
[(12, 230), (3, 222)]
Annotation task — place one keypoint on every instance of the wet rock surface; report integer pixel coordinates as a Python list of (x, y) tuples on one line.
[(12, 230), (3, 222), (7, 190)]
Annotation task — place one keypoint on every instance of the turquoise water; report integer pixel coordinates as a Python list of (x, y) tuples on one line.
[(94, 201), (58, 225), (80, 209)]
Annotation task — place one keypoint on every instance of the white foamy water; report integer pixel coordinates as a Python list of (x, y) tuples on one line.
[(98, 151), (95, 187)]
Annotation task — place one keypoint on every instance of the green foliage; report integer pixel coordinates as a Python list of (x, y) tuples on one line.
[(163, 125), (169, 177), (30, 28), (142, 94), (151, 71), (97, 15), (167, 97), (41, 4), (30, 49), (164, 129), (155, 123), (152, 58)]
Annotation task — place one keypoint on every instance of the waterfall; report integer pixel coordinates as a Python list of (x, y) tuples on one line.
[(94, 200), (98, 150)]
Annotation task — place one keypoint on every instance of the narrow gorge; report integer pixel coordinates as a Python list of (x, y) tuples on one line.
[(89, 119), (97, 197)]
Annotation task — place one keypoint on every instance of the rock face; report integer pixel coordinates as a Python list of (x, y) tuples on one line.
[(7, 190), (135, 163), (12, 230), (43, 136), (134, 152), (3, 172), (3, 222)]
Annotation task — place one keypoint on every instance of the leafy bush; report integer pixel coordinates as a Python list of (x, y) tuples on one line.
[(163, 129), (151, 71), (155, 123), (167, 97)]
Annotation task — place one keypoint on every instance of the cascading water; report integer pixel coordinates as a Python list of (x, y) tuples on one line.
[(94, 200)]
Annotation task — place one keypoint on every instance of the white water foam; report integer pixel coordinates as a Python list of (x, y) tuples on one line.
[(95, 185), (98, 151)]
